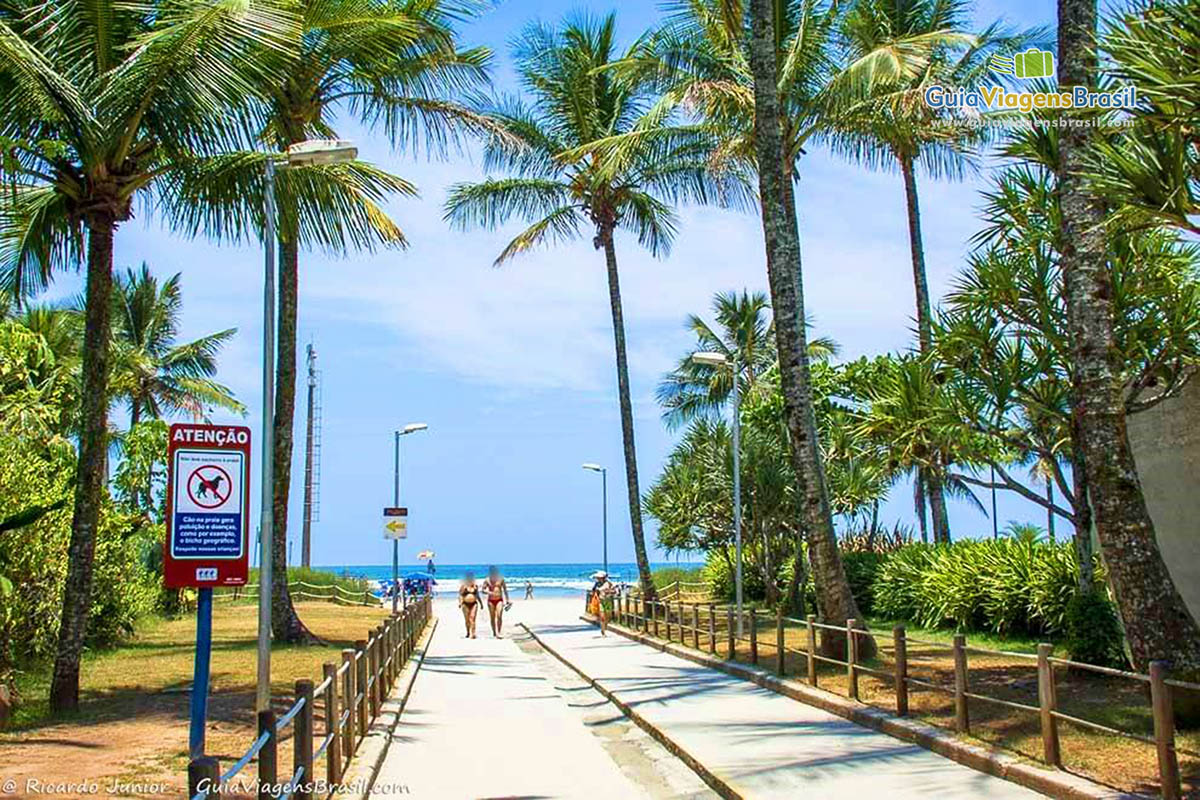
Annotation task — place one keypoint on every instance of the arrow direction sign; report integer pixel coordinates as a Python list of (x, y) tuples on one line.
[(395, 523)]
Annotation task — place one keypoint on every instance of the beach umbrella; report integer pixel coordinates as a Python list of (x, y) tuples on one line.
[(425, 555)]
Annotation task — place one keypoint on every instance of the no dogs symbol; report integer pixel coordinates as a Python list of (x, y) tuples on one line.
[(209, 486)]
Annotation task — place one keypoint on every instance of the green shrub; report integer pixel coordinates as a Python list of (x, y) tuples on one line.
[(1091, 631), (862, 571), (1001, 585)]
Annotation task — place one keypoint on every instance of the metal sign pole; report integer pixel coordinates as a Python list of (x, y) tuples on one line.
[(396, 542), (199, 698)]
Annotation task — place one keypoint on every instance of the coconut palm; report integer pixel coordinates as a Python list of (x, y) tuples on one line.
[(151, 372), (392, 65), (897, 129), (100, 107), (562, 186)]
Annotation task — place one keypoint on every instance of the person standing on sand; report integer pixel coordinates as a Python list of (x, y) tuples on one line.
[(468, 601), (497, 597), (528, 590), (603, 590)]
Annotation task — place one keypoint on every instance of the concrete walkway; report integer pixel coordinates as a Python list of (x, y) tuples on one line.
[(761, 743), (483, 721)]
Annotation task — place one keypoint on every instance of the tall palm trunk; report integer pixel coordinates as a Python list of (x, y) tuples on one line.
[(631, 473), (90, 472), (285, 623), (1157, 623), (916, 247), (782, 238), (1082, 538)]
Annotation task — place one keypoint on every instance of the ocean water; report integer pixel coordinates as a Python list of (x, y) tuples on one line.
[(549, 580)]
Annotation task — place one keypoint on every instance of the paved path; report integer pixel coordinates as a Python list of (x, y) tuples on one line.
[(762, 743), (486, 720)]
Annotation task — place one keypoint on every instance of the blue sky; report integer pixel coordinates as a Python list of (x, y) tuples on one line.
[(513, 369)]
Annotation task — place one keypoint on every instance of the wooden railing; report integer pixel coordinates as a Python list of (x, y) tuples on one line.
[(351, 695), (679, 621), (306, 591)]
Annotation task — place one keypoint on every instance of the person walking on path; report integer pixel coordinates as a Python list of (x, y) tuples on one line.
[(528, 590), (497, 597), (468, 602), (603, 591)]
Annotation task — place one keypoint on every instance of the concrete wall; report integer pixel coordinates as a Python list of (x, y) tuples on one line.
[(1166, 446)]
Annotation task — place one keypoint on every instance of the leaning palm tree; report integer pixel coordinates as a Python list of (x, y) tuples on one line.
[(931, 43), (562, 186), (100, 107), (1158, 624), (153, 373)]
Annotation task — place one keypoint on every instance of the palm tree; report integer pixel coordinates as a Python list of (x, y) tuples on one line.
[(562, 185), (393, 65), (744, 327), (1157, 623), (898, 129), (153, 373), (782, 236), (100, 108)]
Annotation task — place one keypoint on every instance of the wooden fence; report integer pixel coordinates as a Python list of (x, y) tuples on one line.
[(681, 621), (351, 695), (305, 591)]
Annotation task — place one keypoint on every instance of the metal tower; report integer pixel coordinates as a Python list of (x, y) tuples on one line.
[(312, 458)]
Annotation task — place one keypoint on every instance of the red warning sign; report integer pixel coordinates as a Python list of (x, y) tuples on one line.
[(208, 506)]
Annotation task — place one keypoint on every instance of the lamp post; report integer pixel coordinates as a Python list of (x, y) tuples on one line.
[(412, 427), (719, 360), (302, 154), (604, 492)]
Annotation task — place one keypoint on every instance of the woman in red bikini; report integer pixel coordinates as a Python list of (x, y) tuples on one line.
[(497, 599)]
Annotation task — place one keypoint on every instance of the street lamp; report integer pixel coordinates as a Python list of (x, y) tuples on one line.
[(302, 154), (411, 427), (720, 360), (604, 490)]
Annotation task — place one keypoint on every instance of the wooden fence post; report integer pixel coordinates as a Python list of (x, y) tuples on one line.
[(779, 646), (1164, 732), (696, 625), (333, 714), (810, 620), (268, 757), (348, 701), (302, 740), (962, 720), (1047, 705), (360, 685), (372, 685), (712, 629), (753, 637), (900, 643), (851, 659), (667, 617), (731, 632), (204, 776)]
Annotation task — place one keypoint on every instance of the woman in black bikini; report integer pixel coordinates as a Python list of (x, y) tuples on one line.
[(468, 601)]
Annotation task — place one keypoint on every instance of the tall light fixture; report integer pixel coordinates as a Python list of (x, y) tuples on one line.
[(720, 360), (604, 494), (411, 427), (303, 154)]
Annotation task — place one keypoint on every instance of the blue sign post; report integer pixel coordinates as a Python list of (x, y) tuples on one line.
[(208, 502), (200, 674)]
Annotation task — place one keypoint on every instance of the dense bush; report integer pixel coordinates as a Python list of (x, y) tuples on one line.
[(862, 571), (37, 473), (1000, 585), (1091, 630)]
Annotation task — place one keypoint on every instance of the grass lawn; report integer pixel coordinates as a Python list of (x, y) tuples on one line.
[(133, 724), (1116, 761)]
